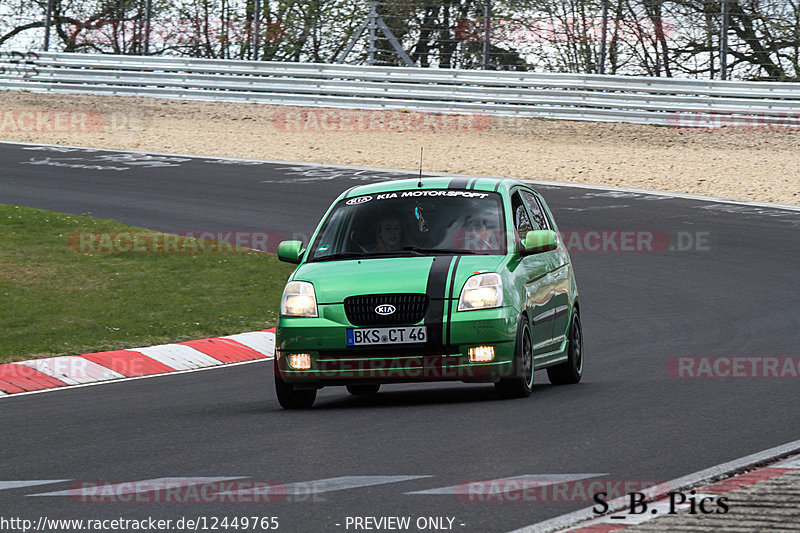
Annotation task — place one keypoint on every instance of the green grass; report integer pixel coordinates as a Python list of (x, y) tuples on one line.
[(55, 300)]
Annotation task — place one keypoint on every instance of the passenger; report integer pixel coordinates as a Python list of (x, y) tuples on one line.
[(479, 235)]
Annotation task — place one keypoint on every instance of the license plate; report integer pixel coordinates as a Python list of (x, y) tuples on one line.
[(375, 336)]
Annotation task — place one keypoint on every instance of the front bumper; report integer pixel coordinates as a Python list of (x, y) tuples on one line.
[(444, 357)]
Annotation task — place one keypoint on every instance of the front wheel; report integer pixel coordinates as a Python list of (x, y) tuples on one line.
[(290, 398), (571, 370), (521, 382)]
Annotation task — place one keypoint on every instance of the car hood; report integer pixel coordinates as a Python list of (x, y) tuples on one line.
[(336, 280)]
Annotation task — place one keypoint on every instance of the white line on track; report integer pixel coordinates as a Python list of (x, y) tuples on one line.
[(343, 483), (319, 486), (137, 487), (5, 485), (498, 486)]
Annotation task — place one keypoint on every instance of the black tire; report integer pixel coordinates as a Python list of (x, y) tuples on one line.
[(520, 384), (290, 398), (364, 389), (571, 370)]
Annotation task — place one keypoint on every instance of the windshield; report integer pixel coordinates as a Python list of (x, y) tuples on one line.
[(413, 222)]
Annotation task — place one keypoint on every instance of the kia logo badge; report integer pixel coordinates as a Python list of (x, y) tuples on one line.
[(385, 309), (358, 200)]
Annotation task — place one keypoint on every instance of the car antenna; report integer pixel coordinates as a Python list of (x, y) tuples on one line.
[(419, 183)]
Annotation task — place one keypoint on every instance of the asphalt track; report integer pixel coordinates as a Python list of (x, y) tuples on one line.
[(734, 295)]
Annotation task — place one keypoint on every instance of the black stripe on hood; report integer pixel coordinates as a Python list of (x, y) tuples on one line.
[(435, 289)]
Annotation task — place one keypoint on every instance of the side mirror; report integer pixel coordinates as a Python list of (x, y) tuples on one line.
[(539, 241), (290, 251)]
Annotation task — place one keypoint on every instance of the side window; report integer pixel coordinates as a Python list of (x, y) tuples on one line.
[(537, 214), (521, 221)]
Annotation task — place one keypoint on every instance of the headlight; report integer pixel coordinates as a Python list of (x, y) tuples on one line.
[(481, 291), (299, 299)]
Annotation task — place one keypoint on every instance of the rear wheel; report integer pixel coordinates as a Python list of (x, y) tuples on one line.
[(363, 390), (520, 384), (571, 370), (288, 397)]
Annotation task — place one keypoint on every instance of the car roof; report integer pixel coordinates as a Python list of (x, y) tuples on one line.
[(501, 185)]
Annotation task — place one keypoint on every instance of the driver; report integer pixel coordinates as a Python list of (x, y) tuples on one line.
[(389, 236)]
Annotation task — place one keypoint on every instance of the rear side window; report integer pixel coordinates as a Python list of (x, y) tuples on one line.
[(538, 220), (522, 221)]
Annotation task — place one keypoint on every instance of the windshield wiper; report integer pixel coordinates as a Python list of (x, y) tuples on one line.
[(425, 251), (416, 250), (440, 251), (443, 251), (340, 255)]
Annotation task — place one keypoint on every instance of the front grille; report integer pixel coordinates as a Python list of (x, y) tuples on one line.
[(409, 309)]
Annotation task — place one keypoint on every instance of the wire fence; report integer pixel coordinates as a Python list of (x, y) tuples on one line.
[(706, 39)]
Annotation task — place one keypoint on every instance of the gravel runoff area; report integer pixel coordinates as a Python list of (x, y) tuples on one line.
[(754, 163)]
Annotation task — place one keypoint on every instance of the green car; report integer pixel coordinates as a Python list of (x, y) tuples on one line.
[(441, 279)]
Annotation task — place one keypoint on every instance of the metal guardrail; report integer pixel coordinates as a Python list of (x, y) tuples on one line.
[(664, 101)]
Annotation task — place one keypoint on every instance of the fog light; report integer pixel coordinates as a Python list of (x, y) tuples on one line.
[(481, 354), (300, 361)]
